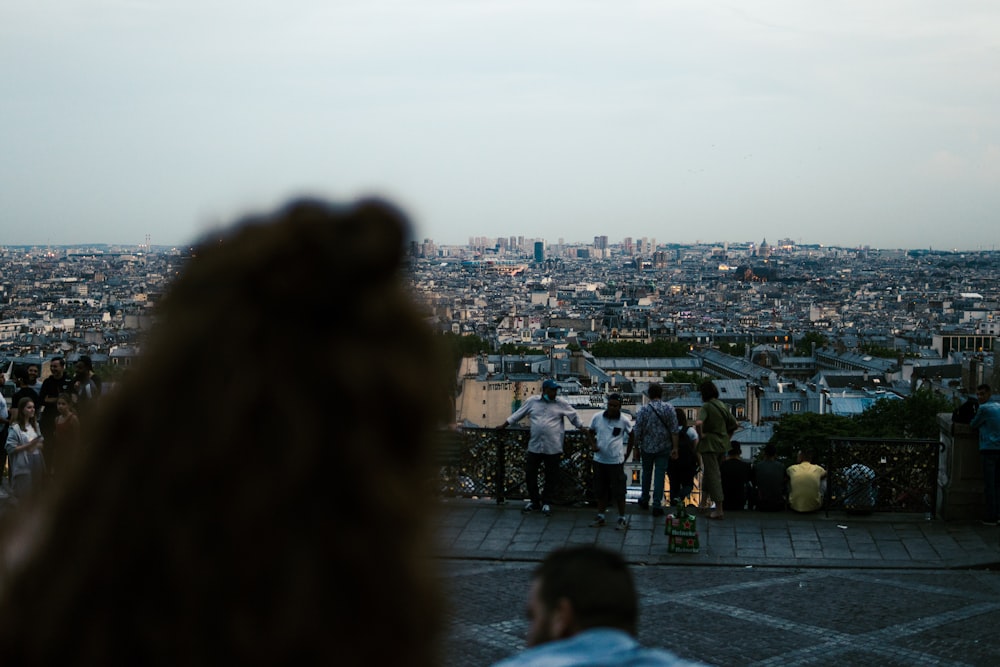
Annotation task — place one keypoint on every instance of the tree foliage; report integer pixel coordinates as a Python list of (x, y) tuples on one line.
[(809, 430), (804, 347), (630, 348), (913, 417), (882, 352), (514, 348), (683, 377), (464, 346)]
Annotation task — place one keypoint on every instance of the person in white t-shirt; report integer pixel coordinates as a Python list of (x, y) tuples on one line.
[(608, 430)]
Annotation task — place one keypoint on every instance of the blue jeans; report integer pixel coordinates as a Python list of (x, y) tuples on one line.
[(991, 483), (651, 462)]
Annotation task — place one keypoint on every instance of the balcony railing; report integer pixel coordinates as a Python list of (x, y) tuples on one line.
[(871, 474), (864, 474), (487, 463)]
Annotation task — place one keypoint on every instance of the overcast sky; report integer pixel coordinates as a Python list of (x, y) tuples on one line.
[(848, 122)]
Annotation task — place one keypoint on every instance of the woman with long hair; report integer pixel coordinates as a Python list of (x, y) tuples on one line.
[(24, 450)]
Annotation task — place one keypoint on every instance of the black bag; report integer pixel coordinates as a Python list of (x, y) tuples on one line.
[(964, 413)]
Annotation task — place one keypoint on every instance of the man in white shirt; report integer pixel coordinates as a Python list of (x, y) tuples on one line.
[(545, 445), (608, 432)]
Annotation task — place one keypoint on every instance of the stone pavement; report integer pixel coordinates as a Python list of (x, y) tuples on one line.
[(765, 589)]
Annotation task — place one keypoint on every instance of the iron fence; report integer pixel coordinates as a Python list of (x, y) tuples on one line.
[(863, 474), (487, 463), (879, 475)]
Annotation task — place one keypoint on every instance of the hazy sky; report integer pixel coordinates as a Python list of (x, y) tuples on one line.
[(845, 122)]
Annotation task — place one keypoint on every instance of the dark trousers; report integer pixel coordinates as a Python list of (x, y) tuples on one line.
[(3, 451), (609, 485), (991, 483), (532, 462)]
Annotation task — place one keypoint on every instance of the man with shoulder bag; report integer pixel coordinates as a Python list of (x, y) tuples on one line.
[(715, 426), (656, 436)]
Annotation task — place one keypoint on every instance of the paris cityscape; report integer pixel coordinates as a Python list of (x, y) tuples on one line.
[(887, 319), (446, 334), (783, 329)]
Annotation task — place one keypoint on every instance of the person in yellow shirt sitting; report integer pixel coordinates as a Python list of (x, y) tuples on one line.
[(805, 489)]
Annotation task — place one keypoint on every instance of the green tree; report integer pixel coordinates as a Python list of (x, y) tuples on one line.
[(808, 430), (683, 377), (464, 346), (912, 417), (804, 347), (514, 348)]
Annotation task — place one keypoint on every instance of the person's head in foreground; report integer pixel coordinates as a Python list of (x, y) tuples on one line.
[(579, 588), (583, 610), (237, 521)]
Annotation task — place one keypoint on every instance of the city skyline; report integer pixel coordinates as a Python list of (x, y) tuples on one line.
[(847, 124)]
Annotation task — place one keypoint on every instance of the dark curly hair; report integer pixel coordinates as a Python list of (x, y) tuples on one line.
[(220, 516)]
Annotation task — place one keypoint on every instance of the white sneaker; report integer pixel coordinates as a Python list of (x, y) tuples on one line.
[(546, 510), (598, 521), (621, 524)]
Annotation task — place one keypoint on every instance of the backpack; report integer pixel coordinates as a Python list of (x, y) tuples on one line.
[(964, 413)]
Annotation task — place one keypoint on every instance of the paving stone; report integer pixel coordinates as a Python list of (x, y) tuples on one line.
[(796, 596)]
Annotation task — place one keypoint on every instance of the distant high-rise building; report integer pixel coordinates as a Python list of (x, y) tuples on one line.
[(627, 246), (601, 242), (539, 251)]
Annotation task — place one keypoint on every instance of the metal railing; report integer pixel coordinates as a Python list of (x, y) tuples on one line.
[(487, 463), (879, 475), (863, 474)]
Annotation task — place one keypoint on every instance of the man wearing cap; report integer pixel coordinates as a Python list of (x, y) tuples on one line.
[(545, 445)]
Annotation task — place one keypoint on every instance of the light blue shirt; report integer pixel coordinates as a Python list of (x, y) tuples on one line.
[(987, 420), (599, 647), (547, 426)]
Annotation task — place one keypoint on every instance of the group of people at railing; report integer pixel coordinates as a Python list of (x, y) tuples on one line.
[(701, 456)]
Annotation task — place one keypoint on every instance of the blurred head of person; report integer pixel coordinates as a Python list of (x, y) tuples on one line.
[(252, 524)]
